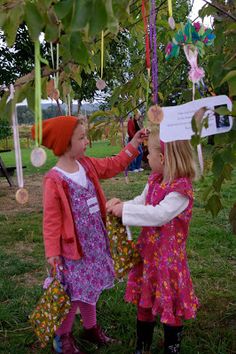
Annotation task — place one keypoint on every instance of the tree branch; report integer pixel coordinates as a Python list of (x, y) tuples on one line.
[(221, 10)]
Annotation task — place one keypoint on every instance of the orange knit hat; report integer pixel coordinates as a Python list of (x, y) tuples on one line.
[(57, 133)]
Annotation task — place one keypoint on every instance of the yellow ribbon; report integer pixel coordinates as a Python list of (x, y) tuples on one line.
[(37, 102), (170, 8), (102, 53)]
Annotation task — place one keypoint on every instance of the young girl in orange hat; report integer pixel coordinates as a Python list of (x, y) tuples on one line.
[(161, 284), (74, 214)]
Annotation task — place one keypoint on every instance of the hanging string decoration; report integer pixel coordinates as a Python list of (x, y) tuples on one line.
[(100, 84), (22, 194), (155, 113), (38, 155)]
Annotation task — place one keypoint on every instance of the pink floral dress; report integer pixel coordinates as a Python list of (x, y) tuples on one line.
[(162, 280), (86, 278)]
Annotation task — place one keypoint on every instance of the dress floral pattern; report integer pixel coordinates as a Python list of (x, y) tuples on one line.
[(162, 280), (87, 277)]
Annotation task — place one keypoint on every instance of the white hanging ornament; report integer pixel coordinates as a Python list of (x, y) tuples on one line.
[(38, 157)]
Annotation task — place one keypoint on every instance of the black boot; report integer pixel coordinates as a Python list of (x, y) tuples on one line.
[(172, 337), (144, 336)]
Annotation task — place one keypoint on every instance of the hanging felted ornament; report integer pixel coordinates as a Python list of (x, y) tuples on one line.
[(22, 195), (38, 155), (193, 38), (171, 20), (100, 84), (155, 113)]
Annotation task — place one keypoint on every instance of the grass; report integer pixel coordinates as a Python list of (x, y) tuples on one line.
[(212, 260), (98, 149)]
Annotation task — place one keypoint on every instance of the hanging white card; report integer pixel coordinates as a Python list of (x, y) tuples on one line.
[(176, 124)]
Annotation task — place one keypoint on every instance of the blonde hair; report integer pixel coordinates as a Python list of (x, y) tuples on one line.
[(178, 157)]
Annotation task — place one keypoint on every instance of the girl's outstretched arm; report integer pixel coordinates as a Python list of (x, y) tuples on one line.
[(148, 215)]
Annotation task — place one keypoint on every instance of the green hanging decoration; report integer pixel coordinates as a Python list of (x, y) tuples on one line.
[(38, 155)]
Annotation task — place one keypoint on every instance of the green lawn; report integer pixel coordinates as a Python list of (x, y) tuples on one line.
[(212, 260)]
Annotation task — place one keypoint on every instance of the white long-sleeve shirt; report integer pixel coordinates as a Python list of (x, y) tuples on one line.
[(136, 213)]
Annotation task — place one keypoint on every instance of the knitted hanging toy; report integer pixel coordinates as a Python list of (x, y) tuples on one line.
[(123, 251)]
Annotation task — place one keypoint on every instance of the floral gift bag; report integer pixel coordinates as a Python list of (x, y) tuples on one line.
[(122, 248), (50, 311)]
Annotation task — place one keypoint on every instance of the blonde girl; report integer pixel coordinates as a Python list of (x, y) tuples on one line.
[(161, 284)]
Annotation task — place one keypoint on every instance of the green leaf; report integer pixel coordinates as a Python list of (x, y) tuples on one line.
[(78, 50), (229, 76), (51, 32), (232, 87), (62, 8), (222, 111), (214, 205), (82, 14), (98, 18), (34, 20), (12, 23), (218, 164)]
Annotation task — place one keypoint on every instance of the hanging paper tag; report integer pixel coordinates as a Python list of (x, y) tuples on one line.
[(38, 157), (22, 196)]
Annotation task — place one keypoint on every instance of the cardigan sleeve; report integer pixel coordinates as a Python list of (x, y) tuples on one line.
[(52, 219), (148, 215), (110, 166)]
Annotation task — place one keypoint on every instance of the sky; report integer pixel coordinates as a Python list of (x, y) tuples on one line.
[(197, 5)]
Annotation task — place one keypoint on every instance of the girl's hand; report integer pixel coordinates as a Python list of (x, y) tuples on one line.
[(110, 203), (117, 209), (140, 137), (54, 260)]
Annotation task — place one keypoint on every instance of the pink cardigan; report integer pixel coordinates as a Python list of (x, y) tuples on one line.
[(58, 225)]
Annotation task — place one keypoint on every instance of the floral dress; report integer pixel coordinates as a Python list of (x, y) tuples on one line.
[(162, 280), (86, 278)]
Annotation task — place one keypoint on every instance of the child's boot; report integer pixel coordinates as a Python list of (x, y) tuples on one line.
[(97, 336), (144, 337), (65, 344), (172, 339)]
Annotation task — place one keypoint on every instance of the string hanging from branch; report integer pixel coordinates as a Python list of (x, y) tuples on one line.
[(147, 49), (100, 84), (22, 195), (171, 20), (38, 155), (155, 113)]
